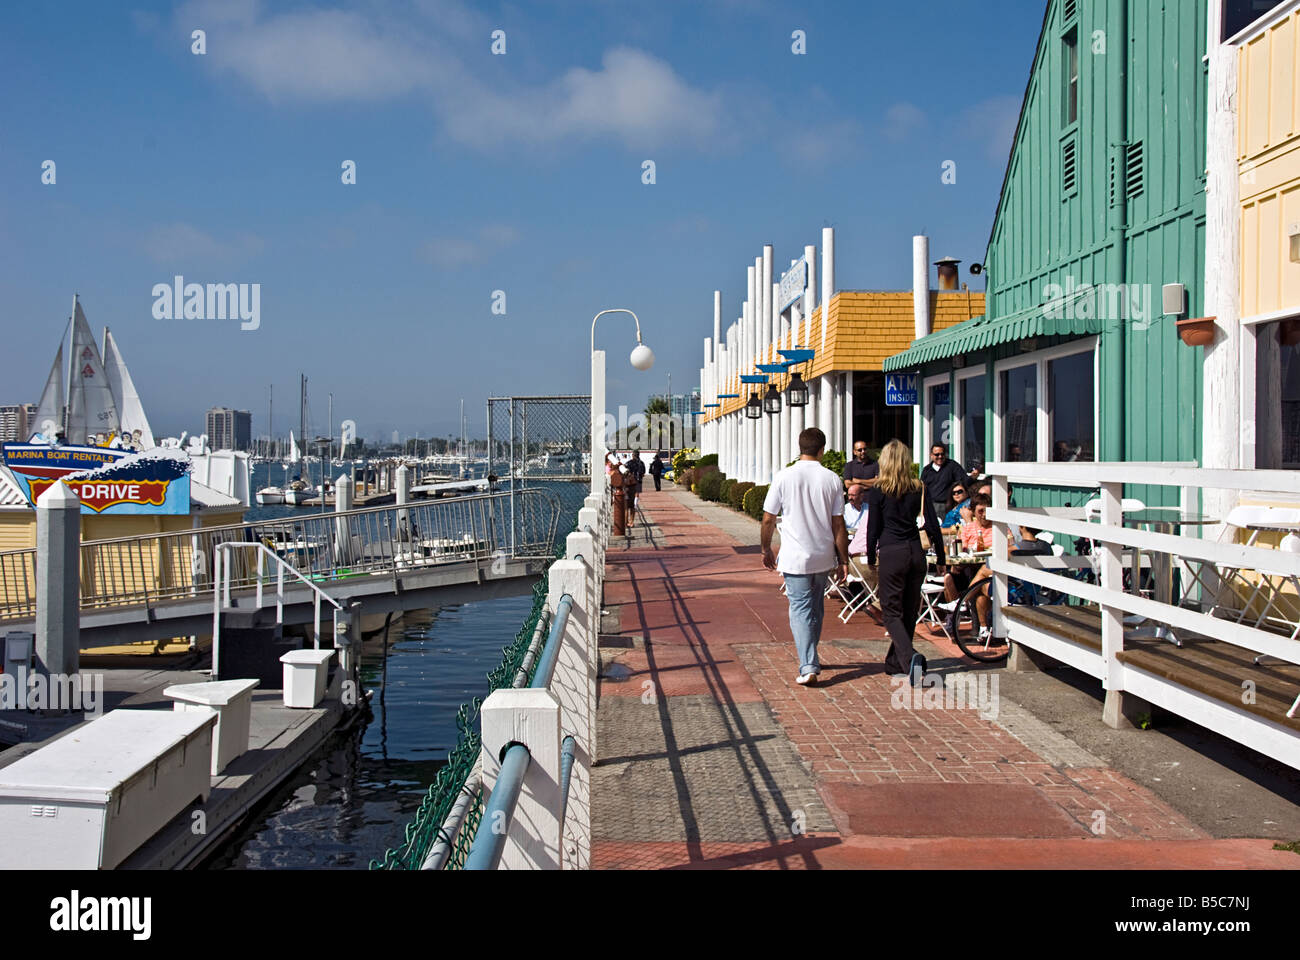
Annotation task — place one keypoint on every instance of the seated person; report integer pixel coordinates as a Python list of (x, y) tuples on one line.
[(858, 555), (975, 535), (953, 518), (855, 511)]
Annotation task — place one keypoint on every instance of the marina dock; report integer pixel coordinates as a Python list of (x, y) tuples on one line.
[(280, 740)]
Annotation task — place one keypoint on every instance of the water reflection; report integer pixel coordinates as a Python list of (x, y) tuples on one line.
[(354, 797)]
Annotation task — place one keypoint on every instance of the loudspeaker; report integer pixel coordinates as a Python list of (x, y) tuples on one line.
[(1174, 298)]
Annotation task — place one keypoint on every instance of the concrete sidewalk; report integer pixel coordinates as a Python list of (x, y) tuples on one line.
[(711, 756)]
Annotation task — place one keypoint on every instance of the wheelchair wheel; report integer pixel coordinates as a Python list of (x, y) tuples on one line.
[(974, 634)]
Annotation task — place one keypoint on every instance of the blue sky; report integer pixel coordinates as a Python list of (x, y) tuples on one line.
[(475, 173)]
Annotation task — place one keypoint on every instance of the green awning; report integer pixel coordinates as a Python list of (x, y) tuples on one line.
[(1057, 319)]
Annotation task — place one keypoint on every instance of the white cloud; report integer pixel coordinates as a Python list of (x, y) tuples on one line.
[(994, 122), (902, 120), (452, 252), (325, 55), (184, 243)]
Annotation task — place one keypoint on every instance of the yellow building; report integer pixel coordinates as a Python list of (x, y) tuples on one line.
[(842, 339), (1268, 156)]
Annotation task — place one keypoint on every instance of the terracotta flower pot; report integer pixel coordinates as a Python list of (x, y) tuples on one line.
[(1197, 331)]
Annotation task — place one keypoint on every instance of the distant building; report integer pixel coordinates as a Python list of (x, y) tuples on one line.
[(229, 429), (14, 421), (683, 404)]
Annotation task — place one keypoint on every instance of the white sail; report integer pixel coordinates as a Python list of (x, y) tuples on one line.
[(91, 409), (49, 412), (129, 408), (294, 455)]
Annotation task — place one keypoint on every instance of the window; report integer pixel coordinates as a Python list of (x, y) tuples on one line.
[(1045, 404), (1239, 14), (1071, 428), (971, 398), (938, 412), (1070, 72), (1277, 398), (1018, 389)]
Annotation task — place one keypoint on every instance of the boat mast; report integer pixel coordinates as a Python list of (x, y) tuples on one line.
[(302, 414), (331, 426), (270, 428)]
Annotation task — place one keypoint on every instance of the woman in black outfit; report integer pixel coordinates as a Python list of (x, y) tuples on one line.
[(893, 504)]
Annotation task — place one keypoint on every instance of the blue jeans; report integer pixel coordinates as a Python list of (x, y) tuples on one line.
[(807, 594)]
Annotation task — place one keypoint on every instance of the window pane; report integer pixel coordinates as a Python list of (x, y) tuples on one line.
[(1019, 389), (1070, 424), (1277, 401), (972, 423), (940, 407), (1070, 72), (1239, 14)]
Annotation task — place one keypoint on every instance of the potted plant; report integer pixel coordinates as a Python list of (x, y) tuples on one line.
[(1196, 331)]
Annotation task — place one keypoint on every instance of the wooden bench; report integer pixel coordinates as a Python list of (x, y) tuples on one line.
[(1210, 667)]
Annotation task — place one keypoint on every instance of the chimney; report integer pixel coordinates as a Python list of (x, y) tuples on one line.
[(921, 285), (947, 273)]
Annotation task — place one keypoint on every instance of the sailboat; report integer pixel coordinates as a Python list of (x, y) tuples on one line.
[(92, 401), (300, 491), (270, 496)]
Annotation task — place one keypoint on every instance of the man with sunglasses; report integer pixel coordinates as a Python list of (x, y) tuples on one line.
[(941, 476), (860, 469)]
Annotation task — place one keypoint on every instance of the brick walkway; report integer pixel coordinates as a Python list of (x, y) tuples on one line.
[(711, 756)]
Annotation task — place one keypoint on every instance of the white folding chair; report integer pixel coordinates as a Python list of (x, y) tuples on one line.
[(1092, 511), (854, 602), (931, 588)]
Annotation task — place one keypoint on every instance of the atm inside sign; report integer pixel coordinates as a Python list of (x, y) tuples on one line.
[(900, 389)]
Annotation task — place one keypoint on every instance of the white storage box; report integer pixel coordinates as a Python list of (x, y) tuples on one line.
[(92, 797), (305, 672), (231, 701)]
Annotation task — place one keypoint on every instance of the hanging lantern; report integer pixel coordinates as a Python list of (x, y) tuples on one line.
[(772, 401), (754, 409), (797, 393)]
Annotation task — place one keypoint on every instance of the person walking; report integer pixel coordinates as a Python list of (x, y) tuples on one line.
[(632, 486), (893, 505), (814, 543), (657, 471)]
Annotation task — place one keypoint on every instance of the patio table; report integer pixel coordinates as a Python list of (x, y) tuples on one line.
[(1162, 520)]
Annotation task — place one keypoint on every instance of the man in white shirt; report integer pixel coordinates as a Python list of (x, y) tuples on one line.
[(814, 543), (855, 511)]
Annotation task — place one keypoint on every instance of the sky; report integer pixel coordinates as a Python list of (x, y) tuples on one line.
[(477, 175)]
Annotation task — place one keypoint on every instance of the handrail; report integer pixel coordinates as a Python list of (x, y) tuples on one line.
[(221, 584), (534, 649), (551, 652), (485, 854), (568, 748)]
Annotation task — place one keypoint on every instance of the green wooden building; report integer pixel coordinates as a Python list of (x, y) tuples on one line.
[(1101, 214)]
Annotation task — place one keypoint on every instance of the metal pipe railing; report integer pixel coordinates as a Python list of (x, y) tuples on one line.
[(485, 854), (534, 649), (568, 747), (440, 852), (551, 652)]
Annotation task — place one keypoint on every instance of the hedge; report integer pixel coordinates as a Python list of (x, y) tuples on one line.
[(708, 460), (753, 503), (685, 478), (684, 459), (724, 491), (737, 494), (710, 485)]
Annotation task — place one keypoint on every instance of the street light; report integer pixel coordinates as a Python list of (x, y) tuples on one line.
[(772, 402), (642, 358), (797, 393), (754, 409)]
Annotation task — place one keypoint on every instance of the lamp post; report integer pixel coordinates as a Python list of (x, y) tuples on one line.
[(642, 358)]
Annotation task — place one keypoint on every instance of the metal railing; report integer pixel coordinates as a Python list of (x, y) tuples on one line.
[(323, 546), (221, 591), (485, 854)]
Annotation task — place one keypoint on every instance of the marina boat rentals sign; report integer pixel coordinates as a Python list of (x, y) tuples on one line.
[(108, 482)]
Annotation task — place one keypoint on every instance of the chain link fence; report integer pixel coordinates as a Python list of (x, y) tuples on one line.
[(541, 442)]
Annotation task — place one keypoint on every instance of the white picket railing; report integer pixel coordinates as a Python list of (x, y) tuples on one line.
[(1187, 553), (549, 826)]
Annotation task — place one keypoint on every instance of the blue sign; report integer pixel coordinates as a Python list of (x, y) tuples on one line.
[(900, 390)]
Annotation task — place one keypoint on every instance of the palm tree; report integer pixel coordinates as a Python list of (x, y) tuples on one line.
[(656, 407)]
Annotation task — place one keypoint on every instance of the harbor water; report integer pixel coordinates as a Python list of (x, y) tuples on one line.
[(353, 799)]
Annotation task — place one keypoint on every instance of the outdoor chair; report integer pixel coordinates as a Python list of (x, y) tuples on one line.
[(1251, 521), (854, 603)]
